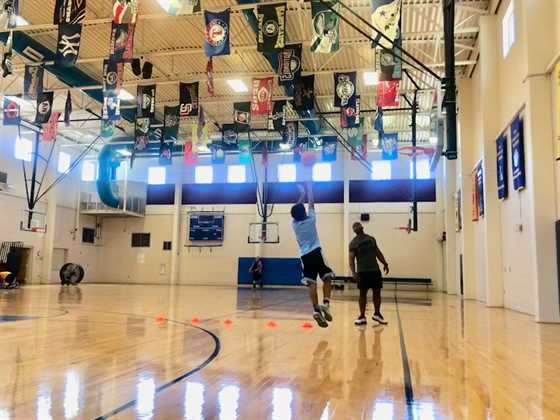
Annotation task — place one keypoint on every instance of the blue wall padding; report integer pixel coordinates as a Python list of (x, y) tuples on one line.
[(276, 271), (392, 191), (324, 192), (220, 193), (161, 194)]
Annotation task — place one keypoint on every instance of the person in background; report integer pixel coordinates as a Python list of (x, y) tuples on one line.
[(364, 250), (256, 271), (8, 276)]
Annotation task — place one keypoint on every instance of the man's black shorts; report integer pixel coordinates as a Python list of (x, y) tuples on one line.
[(313, 266), (370, 280)]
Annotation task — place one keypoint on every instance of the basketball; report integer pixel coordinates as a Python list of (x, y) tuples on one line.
[(307, 158)]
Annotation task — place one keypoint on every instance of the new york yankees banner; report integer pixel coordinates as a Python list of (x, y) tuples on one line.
[(326, 36), (188, 99), (125, 11), (289, 64), (122, 42), (44, 107), (350, 114), (146, 101), (501, 166), (170, 123), (344, 88), (276, 119), (242, 116), (272, 27), (112, 77), (68, 46), (183, 7), (216, 33), (12, 115), (304, 93), (69, 12), (33, 81), (385, 17), (262, 94)]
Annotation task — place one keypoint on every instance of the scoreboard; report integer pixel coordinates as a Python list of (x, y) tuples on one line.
[(206, 226)]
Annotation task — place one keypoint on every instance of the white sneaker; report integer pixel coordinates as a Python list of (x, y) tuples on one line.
[(318, 316), (379, 318), (360, 321), (326, 311)]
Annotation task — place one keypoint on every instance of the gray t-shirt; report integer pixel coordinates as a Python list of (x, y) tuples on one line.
[(306, 233), (364, 248)]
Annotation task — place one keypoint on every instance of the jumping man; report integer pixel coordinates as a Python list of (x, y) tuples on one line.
[(305, 229), (364, 249)]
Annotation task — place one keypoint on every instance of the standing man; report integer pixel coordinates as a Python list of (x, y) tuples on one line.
[(364, 249), (305, 229), (256, 272)]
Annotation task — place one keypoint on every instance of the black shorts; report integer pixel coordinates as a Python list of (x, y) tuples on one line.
[(314, 265), (370, 280)]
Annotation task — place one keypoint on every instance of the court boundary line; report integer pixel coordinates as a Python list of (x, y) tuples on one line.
[(408, 389)]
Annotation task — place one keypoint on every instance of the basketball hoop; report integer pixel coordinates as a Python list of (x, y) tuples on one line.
[(417, 151)]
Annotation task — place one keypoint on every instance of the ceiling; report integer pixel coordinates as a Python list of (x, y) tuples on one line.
[(174, 46)]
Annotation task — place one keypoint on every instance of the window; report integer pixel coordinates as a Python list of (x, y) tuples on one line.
[(23, 149), (287, 172), (422, 169), (156, 175), (167, 245), (380, 169), (322, 172), (89, 169), (508, 29), (236, 174), (88, 235), (140, 240), (63, 162), (121, 171), (204, 174)]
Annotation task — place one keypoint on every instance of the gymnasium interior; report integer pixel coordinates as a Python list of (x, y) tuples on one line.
[(152, 150)]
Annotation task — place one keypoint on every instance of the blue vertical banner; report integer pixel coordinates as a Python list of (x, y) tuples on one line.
[(501, 166), (329, 148), (517, 153), (479, 175), (389, 146)]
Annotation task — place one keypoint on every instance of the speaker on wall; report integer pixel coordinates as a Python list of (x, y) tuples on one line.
[(364, 217)]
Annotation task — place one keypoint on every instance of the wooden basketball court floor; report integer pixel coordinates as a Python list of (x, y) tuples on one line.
[(97, 351)]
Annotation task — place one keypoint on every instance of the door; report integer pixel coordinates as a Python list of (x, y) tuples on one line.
[(59, 258)]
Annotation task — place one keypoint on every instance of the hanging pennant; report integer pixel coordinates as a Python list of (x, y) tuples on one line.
[(12, 114), (344, 88), (200, 124), (50, 128), (165, 153), (501, 166), (69, 12), (242, 116), (7, 56), (183, 7), (385, 17), (350, 114), (387, 93), (389, 63), (68, 109), (68, 46), (125, 11), (378, 122), (299, 148), (325, 27), (244, 151), (304, 93), (329, 148), (276, 119), (289, 64), (112, 77), (364, 146), (354, 136), (170, 123), (229, 135), (44, 107), (272, 27), (218, 153), (107, 129), (210, 77), (142, 127), (262, 94), (216, 34), (188, 99), (290, 133), (9, 13), (111, 108), (146, 101), (189, 154), (33, 82), (389, 146), (122, 42)]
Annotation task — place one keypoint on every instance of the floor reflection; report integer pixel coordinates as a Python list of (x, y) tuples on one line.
[(228, 400), (4, 414), (282, 403), (71, 395), (383, 410), (145, 389), (194, 401), (44, 407)]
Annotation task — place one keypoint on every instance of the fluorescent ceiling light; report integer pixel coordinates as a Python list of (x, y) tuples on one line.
[(21, 21), (371, 78), (125, 95), (238, 85), (124, 152)]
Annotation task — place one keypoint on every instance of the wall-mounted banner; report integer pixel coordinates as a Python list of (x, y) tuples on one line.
[(344, 88), (479, 174), (261, 96), (277, 118), (244, 151), (69, 12), (289, 64), (350, 114), (125, 11), (216, 33), (44, 107), (188, 99), (68, 46), (304, 93), (122, 42), (272, 27), (242, 116), (183, 7), (142, 127), (218, 153), (517, 153), (146, 101), (501, 166), (326, 36), (387, 93), (385, 17), (329, 148), (165, 153), (112, 77), (111, 108), (33, 81), (389, 146), (170, 123), (12, 115)]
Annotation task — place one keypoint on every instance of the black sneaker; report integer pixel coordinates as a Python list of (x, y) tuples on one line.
[(318, 316), (326, 311), (360, 321), (379, 318)]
